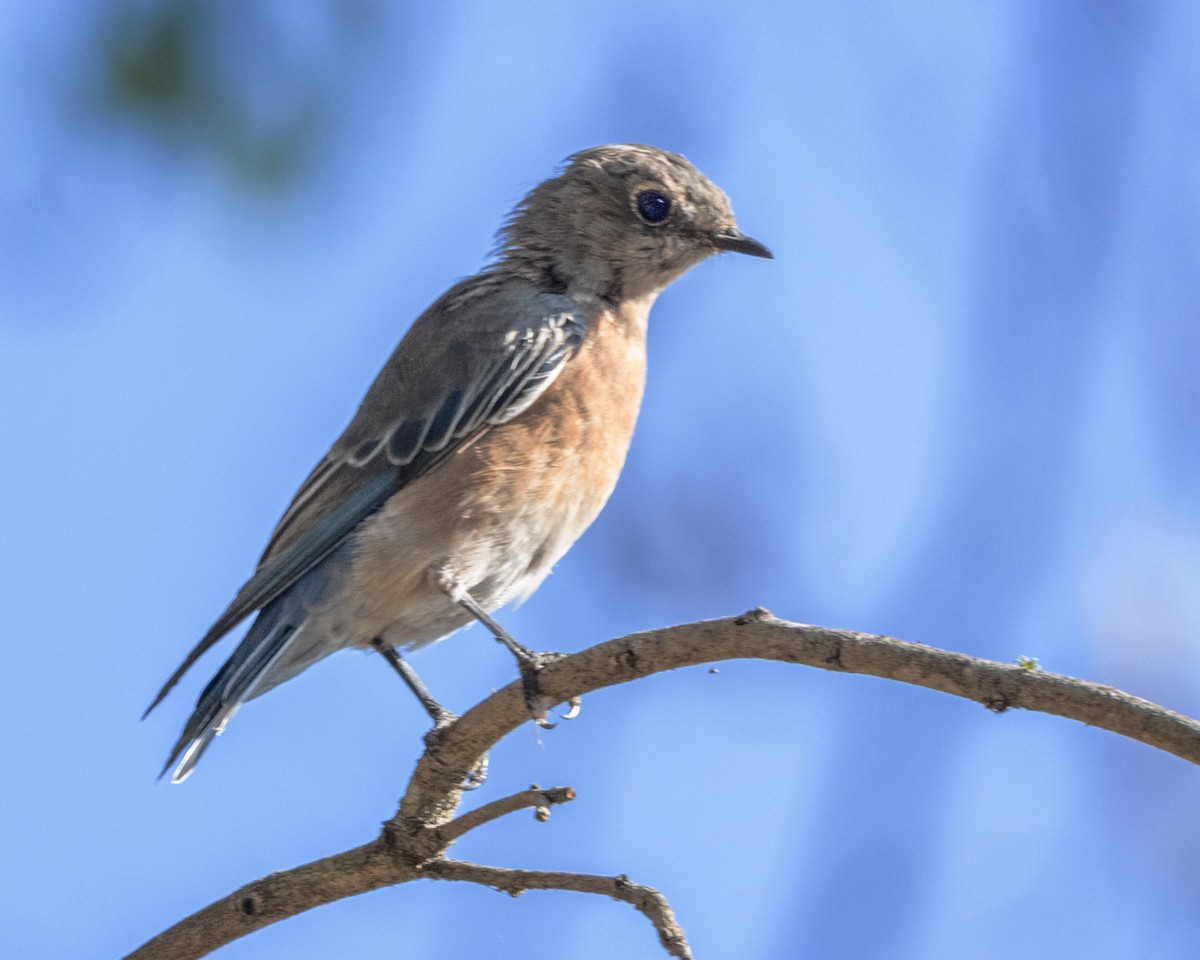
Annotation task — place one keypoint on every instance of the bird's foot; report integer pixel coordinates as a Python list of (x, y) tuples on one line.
[(437, 733), (531, 663)]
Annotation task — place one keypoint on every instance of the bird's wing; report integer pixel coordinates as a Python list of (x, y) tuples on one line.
[(450, 379)]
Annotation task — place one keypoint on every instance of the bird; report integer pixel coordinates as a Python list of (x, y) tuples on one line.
[(489, 441)]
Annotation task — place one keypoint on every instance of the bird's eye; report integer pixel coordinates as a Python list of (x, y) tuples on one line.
[(652, 206)]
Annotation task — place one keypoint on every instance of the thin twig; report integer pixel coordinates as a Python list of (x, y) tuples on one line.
[(534, 797), (652, 904)]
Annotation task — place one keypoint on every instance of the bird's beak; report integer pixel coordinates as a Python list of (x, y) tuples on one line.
[(737, 242)]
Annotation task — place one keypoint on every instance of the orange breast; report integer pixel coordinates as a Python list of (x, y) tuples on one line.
[(502, 510), (576, 436)]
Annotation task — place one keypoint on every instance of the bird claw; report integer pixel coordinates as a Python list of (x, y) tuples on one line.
[(433, 736), (477, 776), (575, 704), (535, 702)]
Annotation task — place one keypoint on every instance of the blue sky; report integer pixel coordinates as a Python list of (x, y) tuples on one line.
[(960, 407)]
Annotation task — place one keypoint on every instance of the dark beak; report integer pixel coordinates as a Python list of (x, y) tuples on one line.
[(737, 242)]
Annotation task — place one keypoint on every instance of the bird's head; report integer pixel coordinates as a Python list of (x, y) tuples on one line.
[(621, 222)]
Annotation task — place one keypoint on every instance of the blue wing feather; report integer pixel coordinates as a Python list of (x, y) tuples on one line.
[(503, 375)]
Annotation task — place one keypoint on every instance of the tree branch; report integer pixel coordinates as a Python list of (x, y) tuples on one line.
[(541, 800), (652, 904), (413, 841), (277, 897)]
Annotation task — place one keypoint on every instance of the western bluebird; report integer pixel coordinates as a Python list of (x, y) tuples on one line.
[(488, 442)]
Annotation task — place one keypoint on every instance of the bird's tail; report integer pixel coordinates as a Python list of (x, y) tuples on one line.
[(240, 679)]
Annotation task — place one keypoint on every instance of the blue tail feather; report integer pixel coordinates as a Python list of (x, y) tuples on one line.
[(233, 684)]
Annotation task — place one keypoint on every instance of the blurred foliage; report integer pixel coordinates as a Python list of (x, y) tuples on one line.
[(197, 74)]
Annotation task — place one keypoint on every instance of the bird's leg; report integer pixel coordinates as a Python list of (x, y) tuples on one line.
[(437, 713), (528, 661), (440, 715)]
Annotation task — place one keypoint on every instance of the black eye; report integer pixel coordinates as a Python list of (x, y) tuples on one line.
[(653, 206)]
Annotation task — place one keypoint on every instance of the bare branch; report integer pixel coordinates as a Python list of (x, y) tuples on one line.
[(541, 800), (647, 900), (277, 897), (415, 839), (758, 635)]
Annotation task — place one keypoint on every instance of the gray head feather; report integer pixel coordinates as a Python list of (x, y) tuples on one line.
[(581, 231)]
